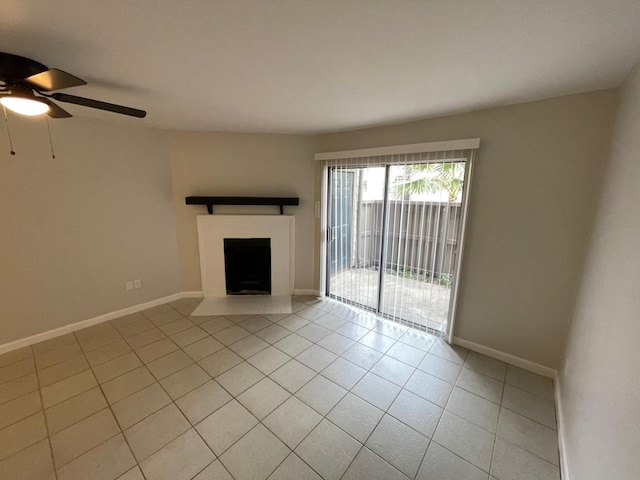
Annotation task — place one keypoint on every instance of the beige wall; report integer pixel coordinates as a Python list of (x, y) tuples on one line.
[(235, 164), (75, 229), (599, 382), (537, 169), (532, 200)]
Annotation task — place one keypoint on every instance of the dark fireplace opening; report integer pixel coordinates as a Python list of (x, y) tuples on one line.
[(247, 266)]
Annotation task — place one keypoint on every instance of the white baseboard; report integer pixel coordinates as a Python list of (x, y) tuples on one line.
[(194, 294), (562, 447), (306, 291), (507, 358), (72, 327)]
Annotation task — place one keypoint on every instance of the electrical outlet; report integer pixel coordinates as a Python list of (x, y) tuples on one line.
[(137, 283), (129, 285)]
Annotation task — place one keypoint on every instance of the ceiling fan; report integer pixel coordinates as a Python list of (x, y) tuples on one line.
[(25, 81)]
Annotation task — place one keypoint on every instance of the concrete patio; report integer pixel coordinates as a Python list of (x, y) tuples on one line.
[(419, 302)]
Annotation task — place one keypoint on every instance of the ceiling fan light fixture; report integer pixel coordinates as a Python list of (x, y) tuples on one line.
[(24, 106)]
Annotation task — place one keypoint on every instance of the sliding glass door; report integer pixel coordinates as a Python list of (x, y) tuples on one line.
[(392, 241)]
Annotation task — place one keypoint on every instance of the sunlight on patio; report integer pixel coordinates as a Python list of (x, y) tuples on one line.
[(423, 303)]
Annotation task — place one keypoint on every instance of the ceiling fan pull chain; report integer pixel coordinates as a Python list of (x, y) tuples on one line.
[(53, 154), (6, 122)]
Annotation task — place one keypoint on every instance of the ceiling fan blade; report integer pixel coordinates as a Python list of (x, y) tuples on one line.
[(110, 107), (54, 79), (55, 111), (15, 67)]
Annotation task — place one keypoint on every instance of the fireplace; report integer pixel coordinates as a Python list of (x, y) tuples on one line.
[(213, 230), (247, 266), (265, 240)]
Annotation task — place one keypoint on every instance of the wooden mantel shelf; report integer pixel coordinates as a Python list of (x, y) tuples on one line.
[(211, 201)]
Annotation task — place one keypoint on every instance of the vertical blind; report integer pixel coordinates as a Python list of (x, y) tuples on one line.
[(394, 232)]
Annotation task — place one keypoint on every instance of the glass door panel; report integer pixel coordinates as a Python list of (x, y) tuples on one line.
[(355, 233), (423, 212)]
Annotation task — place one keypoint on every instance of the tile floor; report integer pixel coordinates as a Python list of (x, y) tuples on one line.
[(327, 392)]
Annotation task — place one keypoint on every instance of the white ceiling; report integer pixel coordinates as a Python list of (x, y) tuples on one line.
[(303, 66)]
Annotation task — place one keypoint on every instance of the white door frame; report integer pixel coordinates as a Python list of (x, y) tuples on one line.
[(453, 301)]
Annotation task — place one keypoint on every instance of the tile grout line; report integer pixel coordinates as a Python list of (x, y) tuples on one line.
[(444, 408), (260, 421), (502, 407), (234, 397), (92, 367), (17, 378), (348, 391), (121, 432), (292, 450), (518, 446), (138, 464), (191, 427), (28, 416), (385, 412), (531, 453), (245, 360), (267, 376), (107, 407), (495, 435), (173, 402), (23, 394), (46, 422), (99, 385), (324, 417)]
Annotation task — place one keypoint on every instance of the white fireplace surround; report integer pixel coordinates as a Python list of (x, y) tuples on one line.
[(213, 229)]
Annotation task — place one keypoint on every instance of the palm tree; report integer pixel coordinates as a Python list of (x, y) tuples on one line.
[(433, 178)]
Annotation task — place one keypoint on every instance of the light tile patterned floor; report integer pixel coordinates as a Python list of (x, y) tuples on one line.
[(328, 392)]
